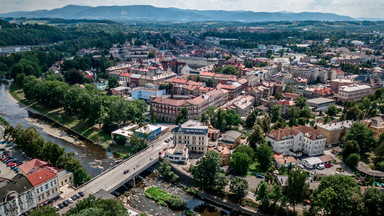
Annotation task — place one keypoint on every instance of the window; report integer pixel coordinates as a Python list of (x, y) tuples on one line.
[(37, 190), (47, 193), (46, 186)]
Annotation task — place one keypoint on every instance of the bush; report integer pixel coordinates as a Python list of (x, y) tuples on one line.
[(191, 190), (190, 213), (176, 202), (380, 166)]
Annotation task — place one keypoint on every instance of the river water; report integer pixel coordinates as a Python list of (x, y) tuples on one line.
[(94, 158)]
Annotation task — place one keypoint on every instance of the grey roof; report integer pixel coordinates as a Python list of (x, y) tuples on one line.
[(19, 184), (231, 136)]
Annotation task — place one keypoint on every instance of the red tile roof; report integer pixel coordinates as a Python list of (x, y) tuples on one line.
[(125, 74), (41, 176), (37, 164), (279, 133)]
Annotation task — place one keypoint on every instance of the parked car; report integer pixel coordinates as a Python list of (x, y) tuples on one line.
[(301, 166), (57, 207), (74, 197), (313, 172), (2, 149), (81, 194), (70, 200), (320, 167), (259, 176), (327, 165), (307, 202), (61, 206), (65, 203)]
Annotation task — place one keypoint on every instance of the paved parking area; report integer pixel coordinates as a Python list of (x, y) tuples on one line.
[(6, 171)]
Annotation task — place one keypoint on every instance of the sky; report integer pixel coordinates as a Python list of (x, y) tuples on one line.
[(353, 8)]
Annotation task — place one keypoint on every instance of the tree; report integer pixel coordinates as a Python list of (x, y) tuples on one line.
[(256, 136), (262, 194), (151, 56), (220, 120), (279, 96), (281, 123), (165, 170), (44, 211), (209, 115), (240, 162), (138, 142), (239, 188), (350, 147), (108, 207), (296, 186), (327, 119), (276, 113), (263, 155), (353, 113), (352, 160), (265, 123), (363, 136), (332, 110), (182, 116), (229, 69), (206, 173), (347, 200), (210, 83), (251, 118), (152, 116), (232, 118), (373, 202), (112, 82), (248, 64)]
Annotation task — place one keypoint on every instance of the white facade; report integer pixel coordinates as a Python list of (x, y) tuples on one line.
[(194, 135), (47, 190), (353, 92), (297, 140)]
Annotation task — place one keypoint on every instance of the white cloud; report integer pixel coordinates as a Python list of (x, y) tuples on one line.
[(353, 8)]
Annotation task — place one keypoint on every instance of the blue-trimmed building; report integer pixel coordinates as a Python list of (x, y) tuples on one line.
[(149, 131), (194, 135), (144, 93)]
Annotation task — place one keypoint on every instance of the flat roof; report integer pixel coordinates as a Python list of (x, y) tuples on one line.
[(313, 160), (147, 129), (320, 100)]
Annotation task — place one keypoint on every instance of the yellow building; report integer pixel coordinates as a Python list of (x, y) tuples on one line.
[(224, 153), (335, 131), (376, 124), (231, 139)]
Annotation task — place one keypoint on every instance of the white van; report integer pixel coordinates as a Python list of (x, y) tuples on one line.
[(320, 167)]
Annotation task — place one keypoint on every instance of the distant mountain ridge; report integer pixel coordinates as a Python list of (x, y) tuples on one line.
[(156, 14)]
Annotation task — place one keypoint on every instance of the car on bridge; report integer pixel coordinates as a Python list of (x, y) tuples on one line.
[(126, 171)]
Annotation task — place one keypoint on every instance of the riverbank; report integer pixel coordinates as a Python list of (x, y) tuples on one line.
[(95, 135)]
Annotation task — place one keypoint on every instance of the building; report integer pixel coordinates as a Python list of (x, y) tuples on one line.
[(320, 104), (149, 132), (144, 93), (244, 105), (337, 83), (297, 140), (286, 161), (126, 132), (177, 154), (230, 139), (17, 196), (225, 154), (194, 135), (335, 131), (336, 74), (376, 124), (234, 89), (45, 183), (353, 92), (64, 177), (313, 162), (167, 109)]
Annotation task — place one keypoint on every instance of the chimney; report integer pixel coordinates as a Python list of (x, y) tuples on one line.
[(172, 91)]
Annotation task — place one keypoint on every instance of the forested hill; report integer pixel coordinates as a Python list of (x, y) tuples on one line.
[(157, 14), (17, 34)]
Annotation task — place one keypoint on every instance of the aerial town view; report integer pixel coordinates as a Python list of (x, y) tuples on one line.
[(191, 108)]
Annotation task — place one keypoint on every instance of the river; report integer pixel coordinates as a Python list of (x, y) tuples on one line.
[(94, 158)]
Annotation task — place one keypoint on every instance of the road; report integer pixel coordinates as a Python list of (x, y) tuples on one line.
[(109, 180), (113, 177)]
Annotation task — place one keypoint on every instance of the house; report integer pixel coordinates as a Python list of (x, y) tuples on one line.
[(177, 154), (286, 161), (194, 135), (244, 105), (312, 162), (337, 83), (17, 195), (296, 140), (225, 154), (213, 133), (335, 131), (230, 139), (125, 132), (336, 74)]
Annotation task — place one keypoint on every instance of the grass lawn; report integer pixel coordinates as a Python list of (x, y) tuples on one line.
[(157, 194), (91, 132), (123, 151), (254, 169)]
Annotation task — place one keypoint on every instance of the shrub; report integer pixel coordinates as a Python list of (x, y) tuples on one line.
[(352, 160), (191, 190), (176, 202)]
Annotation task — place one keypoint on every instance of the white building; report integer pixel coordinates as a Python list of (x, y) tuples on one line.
[(45, 185), (194, 135), (295, 141), (353, 92), (177, 154), (18, 196)]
